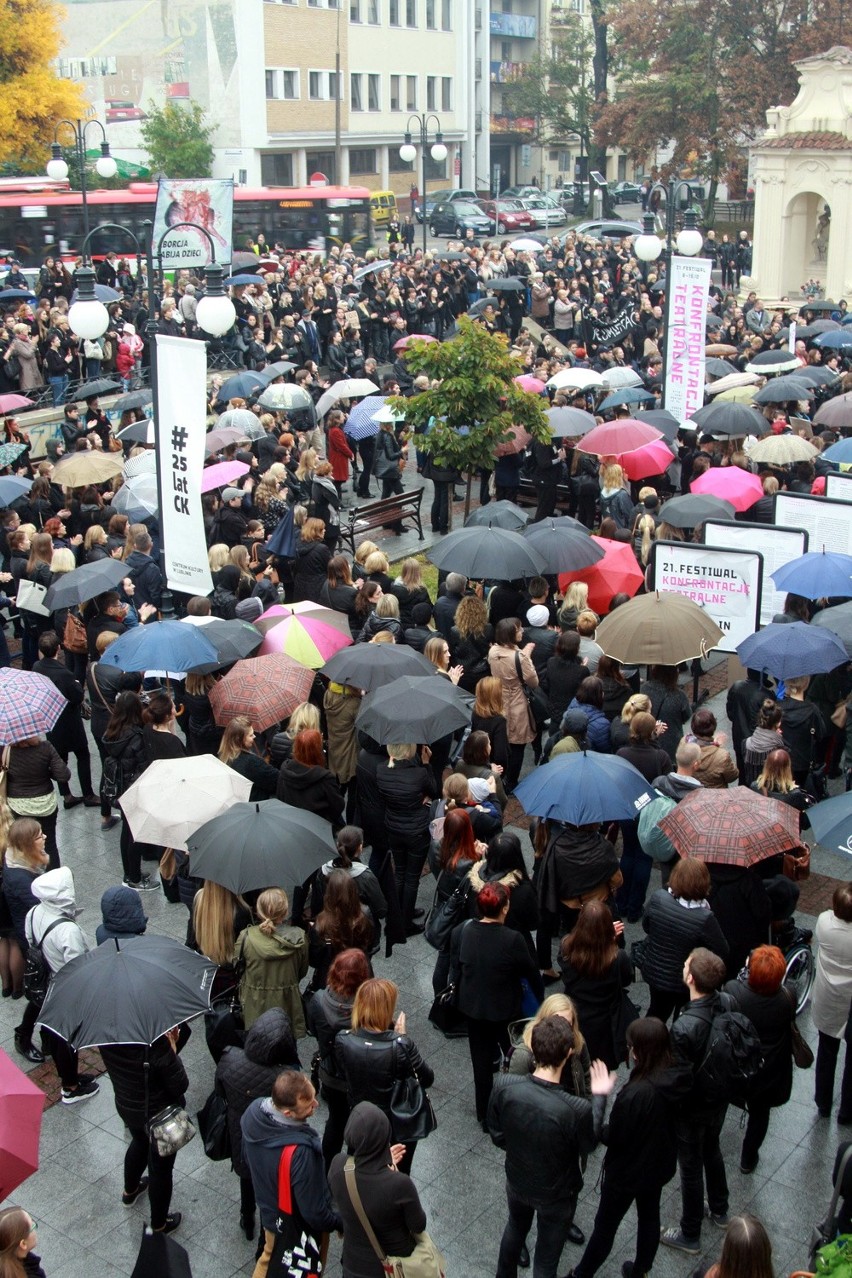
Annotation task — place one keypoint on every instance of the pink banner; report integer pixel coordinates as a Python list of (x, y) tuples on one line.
[(685, 337)]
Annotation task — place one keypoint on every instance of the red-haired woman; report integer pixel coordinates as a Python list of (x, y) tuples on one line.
[(450, 861), (595, 973), (305, 782), (770, 1009), (329, 1012), (488, 962)]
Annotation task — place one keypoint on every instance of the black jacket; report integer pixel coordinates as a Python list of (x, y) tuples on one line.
[(310, 570), (803, 728), (545, 1131), (598, 1001), (689, 1036), (646, 758), (673, 933), (313, 789), (402, 789), (329, 1014), (263, 777), (488, 961), (167, 1080), (472, 653), (69, 725), (266, 1133), (743, 909), (562, 678), (641, 1134), (246, 1073), (122, 915), (132, 755), (772, 1017), (145, 574), (371, 1063)]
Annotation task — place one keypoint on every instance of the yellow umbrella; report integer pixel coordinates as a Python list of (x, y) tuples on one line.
[(92, 467), (738, 394)]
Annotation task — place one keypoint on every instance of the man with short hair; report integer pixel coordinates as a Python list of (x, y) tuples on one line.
[(677, 785), (144, 571), (545, 1131), (270, 1126), (702, 1116), (447, 604)]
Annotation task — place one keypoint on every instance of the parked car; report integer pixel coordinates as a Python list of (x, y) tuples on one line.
[(121, 112), (439, 197), (607, 229), (519, 192), (625, 193), (510, 215), (454, 217), (545, 210)]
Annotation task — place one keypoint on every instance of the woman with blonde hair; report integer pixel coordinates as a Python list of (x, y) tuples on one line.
[(376, 567), (576, 1075), (274, 956), (217, 556), (615, 500), (619, 730), (644, 528), (18, 1238), (383, 618), (237, 750), (576, 601), (409, 590), (95, 545), (267, 499), (362, 553), (218, 917)]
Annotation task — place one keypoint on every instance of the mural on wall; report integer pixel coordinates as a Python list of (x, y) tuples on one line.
[(128, 52)]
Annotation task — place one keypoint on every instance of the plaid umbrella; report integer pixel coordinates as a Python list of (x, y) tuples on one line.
[(29, 705), (732, 827), (265, 689)]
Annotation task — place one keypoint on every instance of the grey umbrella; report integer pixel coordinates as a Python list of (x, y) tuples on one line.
[(494, 553), (726, 417), (498, 514), (783, 389), (570, 422), (259, 845), (509, 285), (564, 549)]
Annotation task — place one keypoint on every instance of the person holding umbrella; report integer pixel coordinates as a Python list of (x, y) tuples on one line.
[(404, 781), (237, 750)]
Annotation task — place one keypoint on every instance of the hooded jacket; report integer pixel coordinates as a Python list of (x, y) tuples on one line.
[(274, 965), (266, 1132), (245, 1074), (390, 1199), (674, 786), (803, 729), (55, 893), (122, 913), (311, 788), (598, 730), (145, 574)]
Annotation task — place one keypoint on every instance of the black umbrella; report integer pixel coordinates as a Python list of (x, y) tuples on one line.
[(495, 553), (127, 992), (818, 306), (693, 509), (16, 295), (144, 432), (783, 389), (479, 307), (369, 666), (100, 386), (726, 417), (768, 362), (260, 845), (572, 422), (412, 710), (498, 514), (279, 369), (510, 285), (75, 587), (564, 549), (719, 367), (661, 419), (232, 640), (451, 255), (103, 293), (135, 399), (813, 375)]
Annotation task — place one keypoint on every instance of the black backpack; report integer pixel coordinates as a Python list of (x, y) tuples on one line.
[(112, 779), (37, 973), (732, 1058)]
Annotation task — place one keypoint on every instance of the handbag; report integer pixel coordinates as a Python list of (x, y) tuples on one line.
[(296, 1253), (411, 1113), (425, 1261), (213, 1125), (30, 597), (803, 1057), (798, 867), (170, 1130), (445, 1015), (74, 637), (816, 783), (445, 916), (538, 705)]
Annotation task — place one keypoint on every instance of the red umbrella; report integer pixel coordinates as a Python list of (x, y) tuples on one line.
[(617, 573), (402, 344), (732, 484), (520, 439), (21, 1105), (264, 689), (732, 827), (529, 383), (624, 435), (651, 459)]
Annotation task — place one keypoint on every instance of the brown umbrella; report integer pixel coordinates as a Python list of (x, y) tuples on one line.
[(732, 827), (781, 450), (264, 689), (92, 467), (835, 413), (720, 348), (658, 629)]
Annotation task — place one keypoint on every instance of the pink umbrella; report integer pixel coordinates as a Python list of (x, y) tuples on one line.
[(652, 459), (624, 435), (21, 1106), (222, 473), (730, 483), (529, 383), (11, 403), (402, 344), (309, 637), (520, 439)]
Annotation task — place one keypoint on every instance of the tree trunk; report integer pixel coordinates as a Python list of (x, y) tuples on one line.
[(600, 67)]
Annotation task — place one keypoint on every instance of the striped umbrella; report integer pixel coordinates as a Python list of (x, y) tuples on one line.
[(309, 635), (360, 423), (29, 705), (265, 689)]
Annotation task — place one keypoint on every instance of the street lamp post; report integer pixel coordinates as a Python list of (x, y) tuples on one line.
[(57, 168), (648, 247), (408, 153), (89, 318)]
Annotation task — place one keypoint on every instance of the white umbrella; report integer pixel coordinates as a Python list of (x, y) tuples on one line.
[(137, 498), (781, 450), (349, 388), (730, 381), (175, 797), (387, 414), (579, 377), (526, 244), (618, 378), (243, 420), (142, 464)]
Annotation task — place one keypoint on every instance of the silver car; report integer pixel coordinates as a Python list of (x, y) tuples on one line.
[(545, 210)]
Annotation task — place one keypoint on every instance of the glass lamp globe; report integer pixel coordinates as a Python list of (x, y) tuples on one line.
[(689, 241), (647, 247), (89, 319), (57, 169), (439, 152), (106, 166), (216, 315), (407, 153)]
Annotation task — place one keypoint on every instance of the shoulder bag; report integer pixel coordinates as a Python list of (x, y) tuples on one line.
[(411, 1113), (445, 915), (170, 1129), (74, 634), (538, 705), (30, 597), (296, 1253), (212, 1122), (803, 1056), (424, 1262)]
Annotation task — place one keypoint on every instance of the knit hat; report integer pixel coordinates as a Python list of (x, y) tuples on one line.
[(478, 788), (249, 609), (574, 723), (538, 615)]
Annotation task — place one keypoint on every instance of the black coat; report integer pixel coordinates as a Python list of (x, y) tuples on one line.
[(743, 909), (328, 1015), (598, 1000), (167, 1080), (371, 1063), (310, 570), (472, 653), (263, 777), (313, 789), (68, 729), (772, 1017), (562, 678), (641, 1135), (488, 961), (673, 933), (245, 1073), (402, 789), (132, 754)]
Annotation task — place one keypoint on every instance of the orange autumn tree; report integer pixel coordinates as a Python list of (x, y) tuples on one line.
[(32, 95)]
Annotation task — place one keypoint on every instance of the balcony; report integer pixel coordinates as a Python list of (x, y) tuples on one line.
[(521, 124), (517, 25), (507, 72)]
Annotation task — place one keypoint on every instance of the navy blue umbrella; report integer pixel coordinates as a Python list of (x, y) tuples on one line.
[(161, 645), (816, 575), (16, 295), (789, 650), (584, 788), (241, 386), (834, 341), (831, 822)]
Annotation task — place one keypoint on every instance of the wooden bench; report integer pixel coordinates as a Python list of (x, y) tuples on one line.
[(528, 494), (387, 510)]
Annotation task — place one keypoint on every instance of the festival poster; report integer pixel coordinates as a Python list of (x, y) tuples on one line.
[(180, 410), (184, 204), (725, 583), (685, 336)]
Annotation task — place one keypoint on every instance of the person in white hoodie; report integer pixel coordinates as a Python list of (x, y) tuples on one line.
[(52, 924)]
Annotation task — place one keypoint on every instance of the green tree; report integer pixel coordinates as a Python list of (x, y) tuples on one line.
[(557, 88), (475, 403), (32, 96), (178, 141)]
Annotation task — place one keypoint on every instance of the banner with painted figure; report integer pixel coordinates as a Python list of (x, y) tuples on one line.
[(685, 336), (180, 410), (201, 202)]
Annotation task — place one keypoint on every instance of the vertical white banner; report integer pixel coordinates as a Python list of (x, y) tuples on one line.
[(686, 335), (180, 411), (791, 338)]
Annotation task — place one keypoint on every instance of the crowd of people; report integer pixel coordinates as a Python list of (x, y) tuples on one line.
[(308, 963)]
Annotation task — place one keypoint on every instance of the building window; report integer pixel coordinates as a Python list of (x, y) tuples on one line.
[(270, 85), (354, 10), (435, 170), (281, 84), (431, 83), (321, 162), (505, 50), (446, 93), (355, 102), (430, 15), (394, 93), (397, 165), (276, 170), (393, 12), (373, 95), (363, 160), (411, 13), (374, 16), (446, 15), (411, 93), (313, 4), (334, 86)]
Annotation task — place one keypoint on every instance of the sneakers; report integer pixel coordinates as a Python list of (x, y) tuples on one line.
[(145, 884), (129, 1197), (172, 1223), (747, 1167), (673, 1237), (720, 1219), (86, 1088)]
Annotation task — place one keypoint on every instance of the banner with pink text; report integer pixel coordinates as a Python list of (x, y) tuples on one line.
[(686, 335)]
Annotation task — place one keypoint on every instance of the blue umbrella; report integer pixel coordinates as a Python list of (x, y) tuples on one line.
[(16, 295), (791, 650), (241, 386), (831, 822), (238, 280), (12, 487), (816, 575), (630, 395), (9, 453), (839, 452), (359, 423), (833, 341), (583, 788), (161, 645)]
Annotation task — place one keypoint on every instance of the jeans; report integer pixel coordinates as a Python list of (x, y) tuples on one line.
[(614, 1206), (636, 869), (409, 854), (699, 1156), (486, 1040), (58, 386), (142, 1156), (826, 1066), (553, 1221)]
